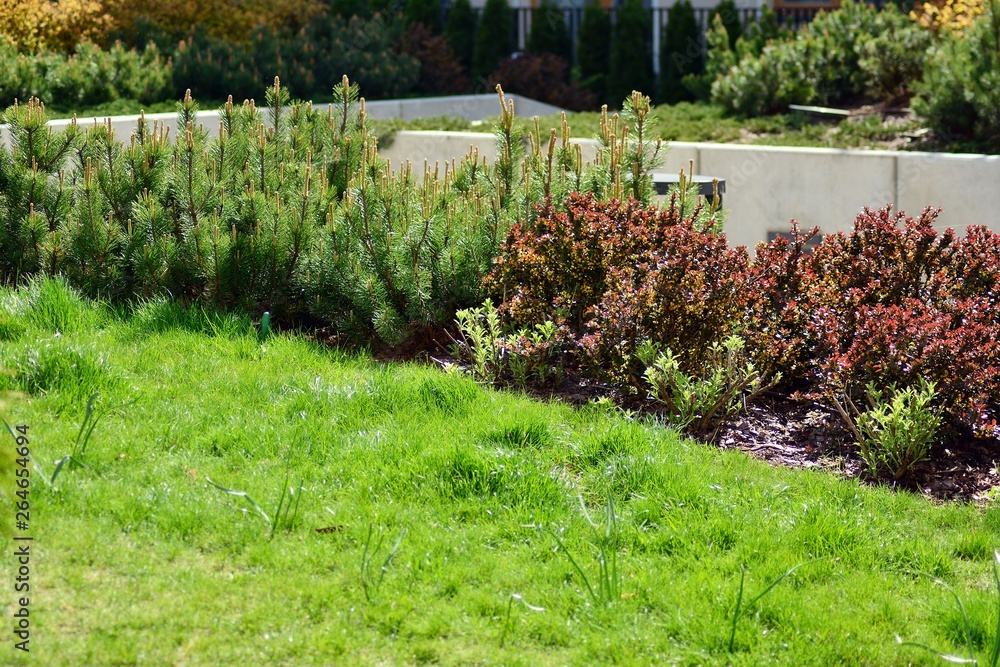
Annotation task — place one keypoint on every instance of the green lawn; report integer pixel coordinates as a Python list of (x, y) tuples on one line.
[(138, 559)]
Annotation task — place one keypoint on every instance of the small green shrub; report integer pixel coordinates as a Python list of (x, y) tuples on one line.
[(699, 403), (896, 430), (892, 60), (481, 342), (526, 355)]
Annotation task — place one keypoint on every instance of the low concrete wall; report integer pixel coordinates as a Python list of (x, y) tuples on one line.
[(768, 186), (469, 107)]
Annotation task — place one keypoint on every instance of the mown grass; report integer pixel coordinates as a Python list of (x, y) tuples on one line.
[(140, 560)]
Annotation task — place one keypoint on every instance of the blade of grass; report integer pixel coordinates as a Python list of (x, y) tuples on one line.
[(510, 604), (947, 657), (59, 466), (277, 512), (391, 556), (241, 494), (579, 570), (740, 610), (736, 611)]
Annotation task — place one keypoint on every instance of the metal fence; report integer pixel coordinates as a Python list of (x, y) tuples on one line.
[(788, 17)]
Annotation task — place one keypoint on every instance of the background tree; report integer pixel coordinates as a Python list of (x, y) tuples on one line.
[(726, 9), (680, 53), (427, 12), (460, 30), (593, 51), (548, 32), (631, 55), (494, 38)]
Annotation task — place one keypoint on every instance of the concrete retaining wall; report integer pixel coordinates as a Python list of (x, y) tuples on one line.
[(767, 186), (469, 107)]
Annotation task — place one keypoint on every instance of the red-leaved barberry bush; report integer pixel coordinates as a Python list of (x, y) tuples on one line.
[(891, 304)]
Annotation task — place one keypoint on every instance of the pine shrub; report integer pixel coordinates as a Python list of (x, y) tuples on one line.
[(853, 51), (289, 210), (88, 77)]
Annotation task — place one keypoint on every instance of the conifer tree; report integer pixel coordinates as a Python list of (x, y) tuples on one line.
[(680, 53), (461, 31), (494, 38), (549, 33), (726, 9), (631, 55), (427, 12), (593, 51)]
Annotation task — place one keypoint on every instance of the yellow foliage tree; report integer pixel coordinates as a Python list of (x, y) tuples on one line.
[(38, 24), (947, 16), (232, 19)]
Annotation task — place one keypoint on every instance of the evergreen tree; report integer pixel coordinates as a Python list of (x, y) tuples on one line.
[(427, 12), (548, 32), (631, 56), (349, 8), (764, 29), (593, 51), (726, 9), (680, 53), (494, 38), (461, 31)]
